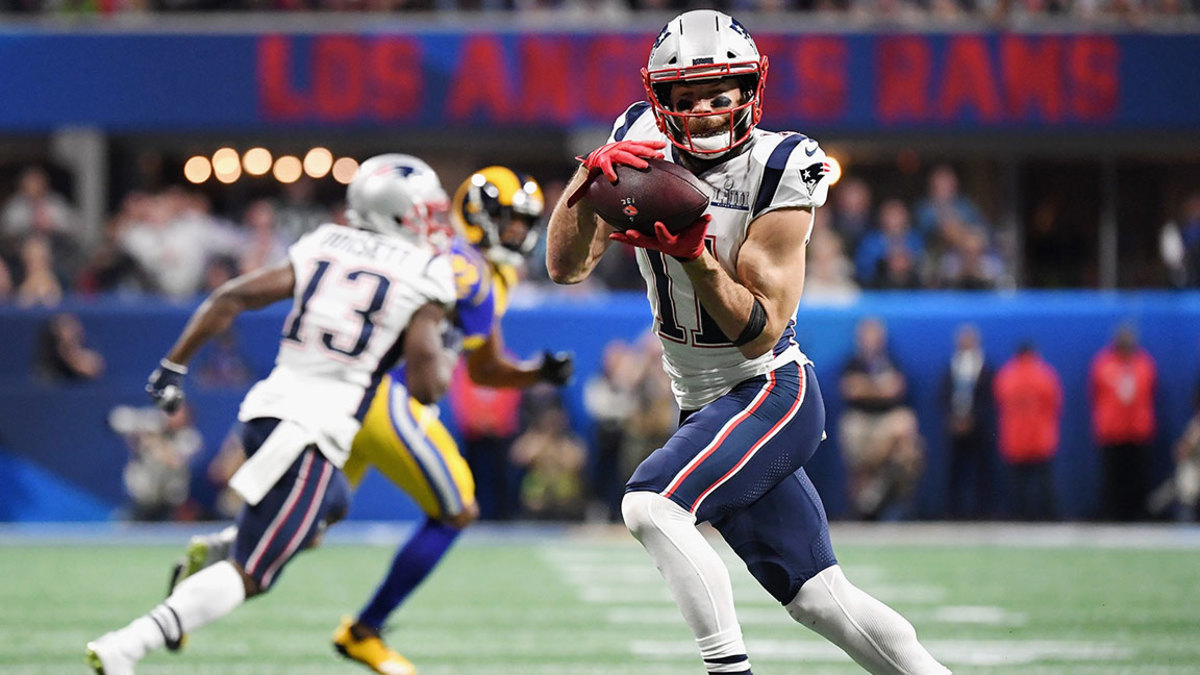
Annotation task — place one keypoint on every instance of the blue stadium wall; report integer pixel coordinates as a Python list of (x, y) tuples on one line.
[(59, 461)]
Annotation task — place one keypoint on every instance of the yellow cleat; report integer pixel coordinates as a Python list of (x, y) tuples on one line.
[(369, 650)]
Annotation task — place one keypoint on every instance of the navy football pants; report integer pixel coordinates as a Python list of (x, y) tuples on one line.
[(291, 514), (738, 462)]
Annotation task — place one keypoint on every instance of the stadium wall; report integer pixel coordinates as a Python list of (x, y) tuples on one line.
[(60, 461)]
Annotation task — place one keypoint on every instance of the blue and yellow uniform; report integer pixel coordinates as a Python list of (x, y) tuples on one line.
[(403, 439)]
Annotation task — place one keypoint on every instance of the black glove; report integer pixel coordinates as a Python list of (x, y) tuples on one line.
[(556, 368), (166, 385)]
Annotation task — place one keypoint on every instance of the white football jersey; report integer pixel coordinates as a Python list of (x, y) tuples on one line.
[(355, 293), (776, 170)]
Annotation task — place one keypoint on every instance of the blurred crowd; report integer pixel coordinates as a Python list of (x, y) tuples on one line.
[(903, 12), (171, 242), (167, 242)]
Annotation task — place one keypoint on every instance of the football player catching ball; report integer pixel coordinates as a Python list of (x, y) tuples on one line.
[(724, 293)]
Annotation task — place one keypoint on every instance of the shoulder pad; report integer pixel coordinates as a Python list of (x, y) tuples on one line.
[(625, 122), (794, 173)]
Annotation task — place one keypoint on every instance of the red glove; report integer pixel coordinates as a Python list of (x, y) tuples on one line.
[(626, 153), (684, 247)]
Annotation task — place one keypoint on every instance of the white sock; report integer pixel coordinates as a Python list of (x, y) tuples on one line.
[(207, 596), (695, 575), (873, 634)]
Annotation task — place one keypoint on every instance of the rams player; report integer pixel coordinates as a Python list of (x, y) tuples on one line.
[(496, 213), (724, 293)]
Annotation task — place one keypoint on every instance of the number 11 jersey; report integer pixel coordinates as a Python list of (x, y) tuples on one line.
[(775, 170)]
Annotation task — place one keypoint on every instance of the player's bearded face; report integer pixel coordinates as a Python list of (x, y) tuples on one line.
[(703, 102)]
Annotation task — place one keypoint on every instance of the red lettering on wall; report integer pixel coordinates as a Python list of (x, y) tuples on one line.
[(339, 87), (1032, 72), (397, 76), (546, 91), (821, 70), (903, 66), (480, 84), (278, 100), (612, 77), (1093, 64), (968, 80)]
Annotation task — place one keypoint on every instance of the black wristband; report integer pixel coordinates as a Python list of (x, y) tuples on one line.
[(754, 325)]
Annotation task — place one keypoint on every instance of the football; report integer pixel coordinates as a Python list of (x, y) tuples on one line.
[(663, 192)]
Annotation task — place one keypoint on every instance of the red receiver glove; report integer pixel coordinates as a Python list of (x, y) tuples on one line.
[(602, 159), (684, 247)]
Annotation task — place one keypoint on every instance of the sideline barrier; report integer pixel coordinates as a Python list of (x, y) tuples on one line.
[(54, 439)]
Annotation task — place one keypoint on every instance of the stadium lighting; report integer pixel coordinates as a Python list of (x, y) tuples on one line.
[(197, 169), (344, 169), (226, 162), (288, 169), (317, 162), (835, 169), (257, 161)]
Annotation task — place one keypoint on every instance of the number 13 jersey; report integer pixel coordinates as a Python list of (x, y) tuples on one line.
[(775, 170), (355, 293)]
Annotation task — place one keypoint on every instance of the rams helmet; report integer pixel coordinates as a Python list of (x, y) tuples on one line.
[(400, 195), (498, 211), (705, 45)]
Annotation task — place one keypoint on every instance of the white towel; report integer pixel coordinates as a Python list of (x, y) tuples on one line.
[(260, 473)]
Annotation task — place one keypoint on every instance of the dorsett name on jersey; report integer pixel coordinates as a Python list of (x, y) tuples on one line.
[(346, 240), (776, 170)]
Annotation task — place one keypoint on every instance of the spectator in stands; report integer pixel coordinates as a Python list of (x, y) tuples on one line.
[(829, 277), (943, 206), (110, 268), (1121, 387), (264, 245), (173, 236), (880, 442), (610, 398), (553, 458), (489, 420), (40, 285), (968, 264), (161, 447), (852, 212), (898, 271), (656, 415), (1179, 245), (298, 211), (6, 282), (894, 238), (37, 211), (1029, 409), (62, 355), (968, 404)]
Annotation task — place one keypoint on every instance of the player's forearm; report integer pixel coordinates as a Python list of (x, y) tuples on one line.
[(502, 372), (574, 241), (212, 318), (731, 305)]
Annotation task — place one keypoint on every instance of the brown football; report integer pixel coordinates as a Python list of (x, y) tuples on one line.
[(663, 192)]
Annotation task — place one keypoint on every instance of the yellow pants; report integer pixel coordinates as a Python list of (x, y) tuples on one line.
[(406, 442)]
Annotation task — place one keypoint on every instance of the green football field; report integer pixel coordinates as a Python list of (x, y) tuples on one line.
[(998, 599)]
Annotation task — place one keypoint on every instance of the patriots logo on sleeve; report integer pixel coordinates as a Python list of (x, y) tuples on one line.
[(813, 173)]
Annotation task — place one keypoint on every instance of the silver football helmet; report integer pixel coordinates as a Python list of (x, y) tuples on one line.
[(401, 196), (705, 45)]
